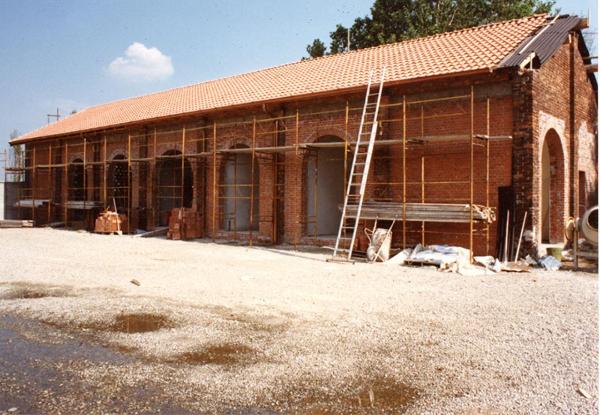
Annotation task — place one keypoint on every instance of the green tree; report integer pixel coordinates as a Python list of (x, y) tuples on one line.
[(396, 20), (316, 49)]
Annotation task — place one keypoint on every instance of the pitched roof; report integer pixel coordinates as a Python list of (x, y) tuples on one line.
[(463, 51)]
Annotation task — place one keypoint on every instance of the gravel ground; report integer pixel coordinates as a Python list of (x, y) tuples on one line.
[(240, 330)]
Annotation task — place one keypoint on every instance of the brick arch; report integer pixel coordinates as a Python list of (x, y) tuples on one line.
[(553, 186), (162, 148), (117, 152), (75, 156), (329, 131)]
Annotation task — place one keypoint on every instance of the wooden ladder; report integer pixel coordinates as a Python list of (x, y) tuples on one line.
[(359, 172)]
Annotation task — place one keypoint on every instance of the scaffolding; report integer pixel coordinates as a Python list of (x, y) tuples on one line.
[(236, 172)]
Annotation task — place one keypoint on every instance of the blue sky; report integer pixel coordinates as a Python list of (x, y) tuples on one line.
[(74, 54)]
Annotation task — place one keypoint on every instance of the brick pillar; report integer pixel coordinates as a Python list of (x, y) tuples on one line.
[(524, 153), (265, 197), (134, 193), (293, 198)]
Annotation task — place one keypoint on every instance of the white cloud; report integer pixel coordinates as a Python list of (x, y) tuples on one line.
[(141, 64)]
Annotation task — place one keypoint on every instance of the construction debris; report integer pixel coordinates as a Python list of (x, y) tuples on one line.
[(424, 212), (584, 393), (489, 262), (159, 231), (443, 256), (515, 266), (380, 241), (400, 258), (110, 222), (184, 224), (550, 263), (9, 223)]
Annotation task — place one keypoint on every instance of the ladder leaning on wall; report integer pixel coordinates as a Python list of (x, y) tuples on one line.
[(359, 172)]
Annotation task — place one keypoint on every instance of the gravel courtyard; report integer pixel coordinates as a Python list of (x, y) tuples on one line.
[(215, 328)]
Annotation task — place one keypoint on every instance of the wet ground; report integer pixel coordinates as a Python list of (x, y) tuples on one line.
[(215, 329), (35, 363), (39, 365)]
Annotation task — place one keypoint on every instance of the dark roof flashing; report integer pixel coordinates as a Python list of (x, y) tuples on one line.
[(541, 46)]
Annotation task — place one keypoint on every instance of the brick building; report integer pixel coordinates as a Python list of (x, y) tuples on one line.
[(502, 115)]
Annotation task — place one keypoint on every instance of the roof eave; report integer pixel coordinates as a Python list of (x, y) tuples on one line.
[(331, 93)]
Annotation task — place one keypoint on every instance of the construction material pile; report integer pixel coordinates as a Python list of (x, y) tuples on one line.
[(110, 222), (10, 223), (424, 212), (184, 224), (455, 259)]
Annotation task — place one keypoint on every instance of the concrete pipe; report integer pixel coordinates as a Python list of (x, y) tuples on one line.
[(588, 226)]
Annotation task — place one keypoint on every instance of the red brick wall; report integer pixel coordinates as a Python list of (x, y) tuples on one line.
[(563, 100), (516, 102)]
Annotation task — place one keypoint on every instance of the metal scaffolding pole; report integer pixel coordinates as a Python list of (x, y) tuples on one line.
[(33, 184), (181, 185), (214, 186), (403, 171), (252, 179), (471, 173), (487, 173), (129, 183)]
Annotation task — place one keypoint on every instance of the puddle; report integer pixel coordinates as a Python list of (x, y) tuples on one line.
[(35, 378), (31, 293), (222, 354), (379, 395), (140, 323)]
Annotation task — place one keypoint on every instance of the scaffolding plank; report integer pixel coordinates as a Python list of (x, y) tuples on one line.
[(424, 212)]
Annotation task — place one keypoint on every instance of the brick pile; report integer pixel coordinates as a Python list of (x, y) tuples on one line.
[(184, 224), (110, 222)]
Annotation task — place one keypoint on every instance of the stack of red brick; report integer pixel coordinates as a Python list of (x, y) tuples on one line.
[(184, 224), (110, 222)]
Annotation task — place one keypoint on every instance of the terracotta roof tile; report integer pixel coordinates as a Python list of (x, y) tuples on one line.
[(467, 50)]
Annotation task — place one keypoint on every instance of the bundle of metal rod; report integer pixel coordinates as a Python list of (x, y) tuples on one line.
[(424, 212)]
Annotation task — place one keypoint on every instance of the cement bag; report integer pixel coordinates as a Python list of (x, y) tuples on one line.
[(381, 242)]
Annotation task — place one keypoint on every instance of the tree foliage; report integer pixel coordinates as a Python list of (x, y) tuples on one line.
[(396, 20), (316, 49)]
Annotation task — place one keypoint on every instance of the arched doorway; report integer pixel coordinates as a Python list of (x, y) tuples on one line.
[(240, 192), (118, 183), (76, 180), (171, 191), (324, 188), (553, 188)]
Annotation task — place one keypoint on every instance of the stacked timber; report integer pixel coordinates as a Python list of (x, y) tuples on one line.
[(424, 212), (110, 222), (10, 223), (184, 224)]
